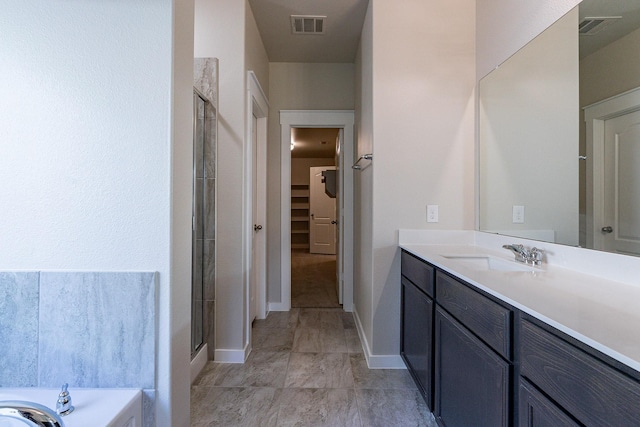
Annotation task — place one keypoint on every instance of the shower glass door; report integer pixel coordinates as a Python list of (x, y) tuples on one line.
[(197, 269)]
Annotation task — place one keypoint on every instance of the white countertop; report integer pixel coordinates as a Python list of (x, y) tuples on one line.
[(602, 313)]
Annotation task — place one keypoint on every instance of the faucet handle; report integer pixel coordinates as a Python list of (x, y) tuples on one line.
[(64, 406), (536, 255), (519, 251)]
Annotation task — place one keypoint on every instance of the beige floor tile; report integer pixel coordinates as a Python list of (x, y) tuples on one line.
[(333, 407), (306, 368), (384, 408), (237, 406), (379, 378), (319, 370)]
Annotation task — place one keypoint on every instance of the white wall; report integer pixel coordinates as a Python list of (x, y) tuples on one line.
[(529, 139), (224, 30), (611, 70), (96, 125), (504, 26), (296, 86), (422, 137), (174, 355), (363, 182), (255, 53)]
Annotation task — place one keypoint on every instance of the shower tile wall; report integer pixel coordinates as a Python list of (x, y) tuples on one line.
[(19, 329), (206, 81), (87, 329)]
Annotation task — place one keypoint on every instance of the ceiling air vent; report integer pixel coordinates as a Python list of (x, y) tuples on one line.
[(307, 24), (592, 26)]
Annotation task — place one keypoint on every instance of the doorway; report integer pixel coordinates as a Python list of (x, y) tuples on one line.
[(343, 121), (314, 236)]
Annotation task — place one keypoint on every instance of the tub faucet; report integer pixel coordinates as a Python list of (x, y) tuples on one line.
[(30, 413)]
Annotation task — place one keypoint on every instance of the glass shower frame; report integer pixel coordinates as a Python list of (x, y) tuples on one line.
[(198, 223)]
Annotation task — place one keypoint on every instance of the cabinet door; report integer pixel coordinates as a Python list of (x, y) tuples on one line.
[(471, 380), (538, 411), (416, 338)]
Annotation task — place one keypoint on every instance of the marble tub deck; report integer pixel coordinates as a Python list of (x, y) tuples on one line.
[(306, 369)]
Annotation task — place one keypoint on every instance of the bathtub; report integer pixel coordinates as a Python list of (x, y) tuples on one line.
[(95, 407)]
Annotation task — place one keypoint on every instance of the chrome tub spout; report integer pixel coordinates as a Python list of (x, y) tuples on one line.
[(33, 414)]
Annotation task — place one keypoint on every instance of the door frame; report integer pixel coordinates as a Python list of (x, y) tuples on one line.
[(258, 106), (595, 117), (340, 119)]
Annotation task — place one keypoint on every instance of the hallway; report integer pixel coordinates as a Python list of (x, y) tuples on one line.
[(307, 368)]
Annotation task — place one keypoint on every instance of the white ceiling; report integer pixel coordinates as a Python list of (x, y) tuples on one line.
[(628, 9), (339, 43)]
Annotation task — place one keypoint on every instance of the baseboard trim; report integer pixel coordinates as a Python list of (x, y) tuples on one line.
[(231, 356), (374, 361), (278, 306), (198, 362)]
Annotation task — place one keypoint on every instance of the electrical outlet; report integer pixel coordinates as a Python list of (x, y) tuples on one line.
[(518, 214), (432, 213)]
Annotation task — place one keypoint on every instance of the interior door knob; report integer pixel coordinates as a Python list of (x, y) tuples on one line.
[(334, 222), (257, 227), (608, 229)]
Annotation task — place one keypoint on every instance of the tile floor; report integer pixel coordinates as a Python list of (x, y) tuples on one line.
[(306, 369)]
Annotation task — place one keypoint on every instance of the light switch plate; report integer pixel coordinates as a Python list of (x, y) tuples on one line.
[(518, 214), (432, 213)]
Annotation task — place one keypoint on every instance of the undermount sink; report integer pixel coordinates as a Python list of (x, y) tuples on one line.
[(486, 262)]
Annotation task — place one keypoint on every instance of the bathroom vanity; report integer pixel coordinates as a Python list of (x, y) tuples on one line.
[(501, 345)]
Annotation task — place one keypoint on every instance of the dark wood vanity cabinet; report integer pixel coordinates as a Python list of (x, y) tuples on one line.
[(416, 339), (481, 362), (589, 390)]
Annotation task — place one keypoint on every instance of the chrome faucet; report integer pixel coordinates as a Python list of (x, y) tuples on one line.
[(525, 255), (30, 413), (519, 251), (64, 406)]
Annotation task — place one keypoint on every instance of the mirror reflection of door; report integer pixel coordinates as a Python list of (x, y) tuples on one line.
[(622, 184)]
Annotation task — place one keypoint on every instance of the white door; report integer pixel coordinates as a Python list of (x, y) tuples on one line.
[(322, 214), (621, 221), (339, 161), (257, 228), (257, 275)]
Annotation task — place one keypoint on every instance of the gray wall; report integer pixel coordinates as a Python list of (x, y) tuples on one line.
[(94, 330)]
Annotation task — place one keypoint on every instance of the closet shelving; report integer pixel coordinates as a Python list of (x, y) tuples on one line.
[(299, 216)]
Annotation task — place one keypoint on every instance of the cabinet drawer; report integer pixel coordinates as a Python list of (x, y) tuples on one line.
[(418, 271), (593, 392), (538, 411), (485, 318)]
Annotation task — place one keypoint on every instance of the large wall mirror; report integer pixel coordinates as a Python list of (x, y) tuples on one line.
[(539, 174)]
